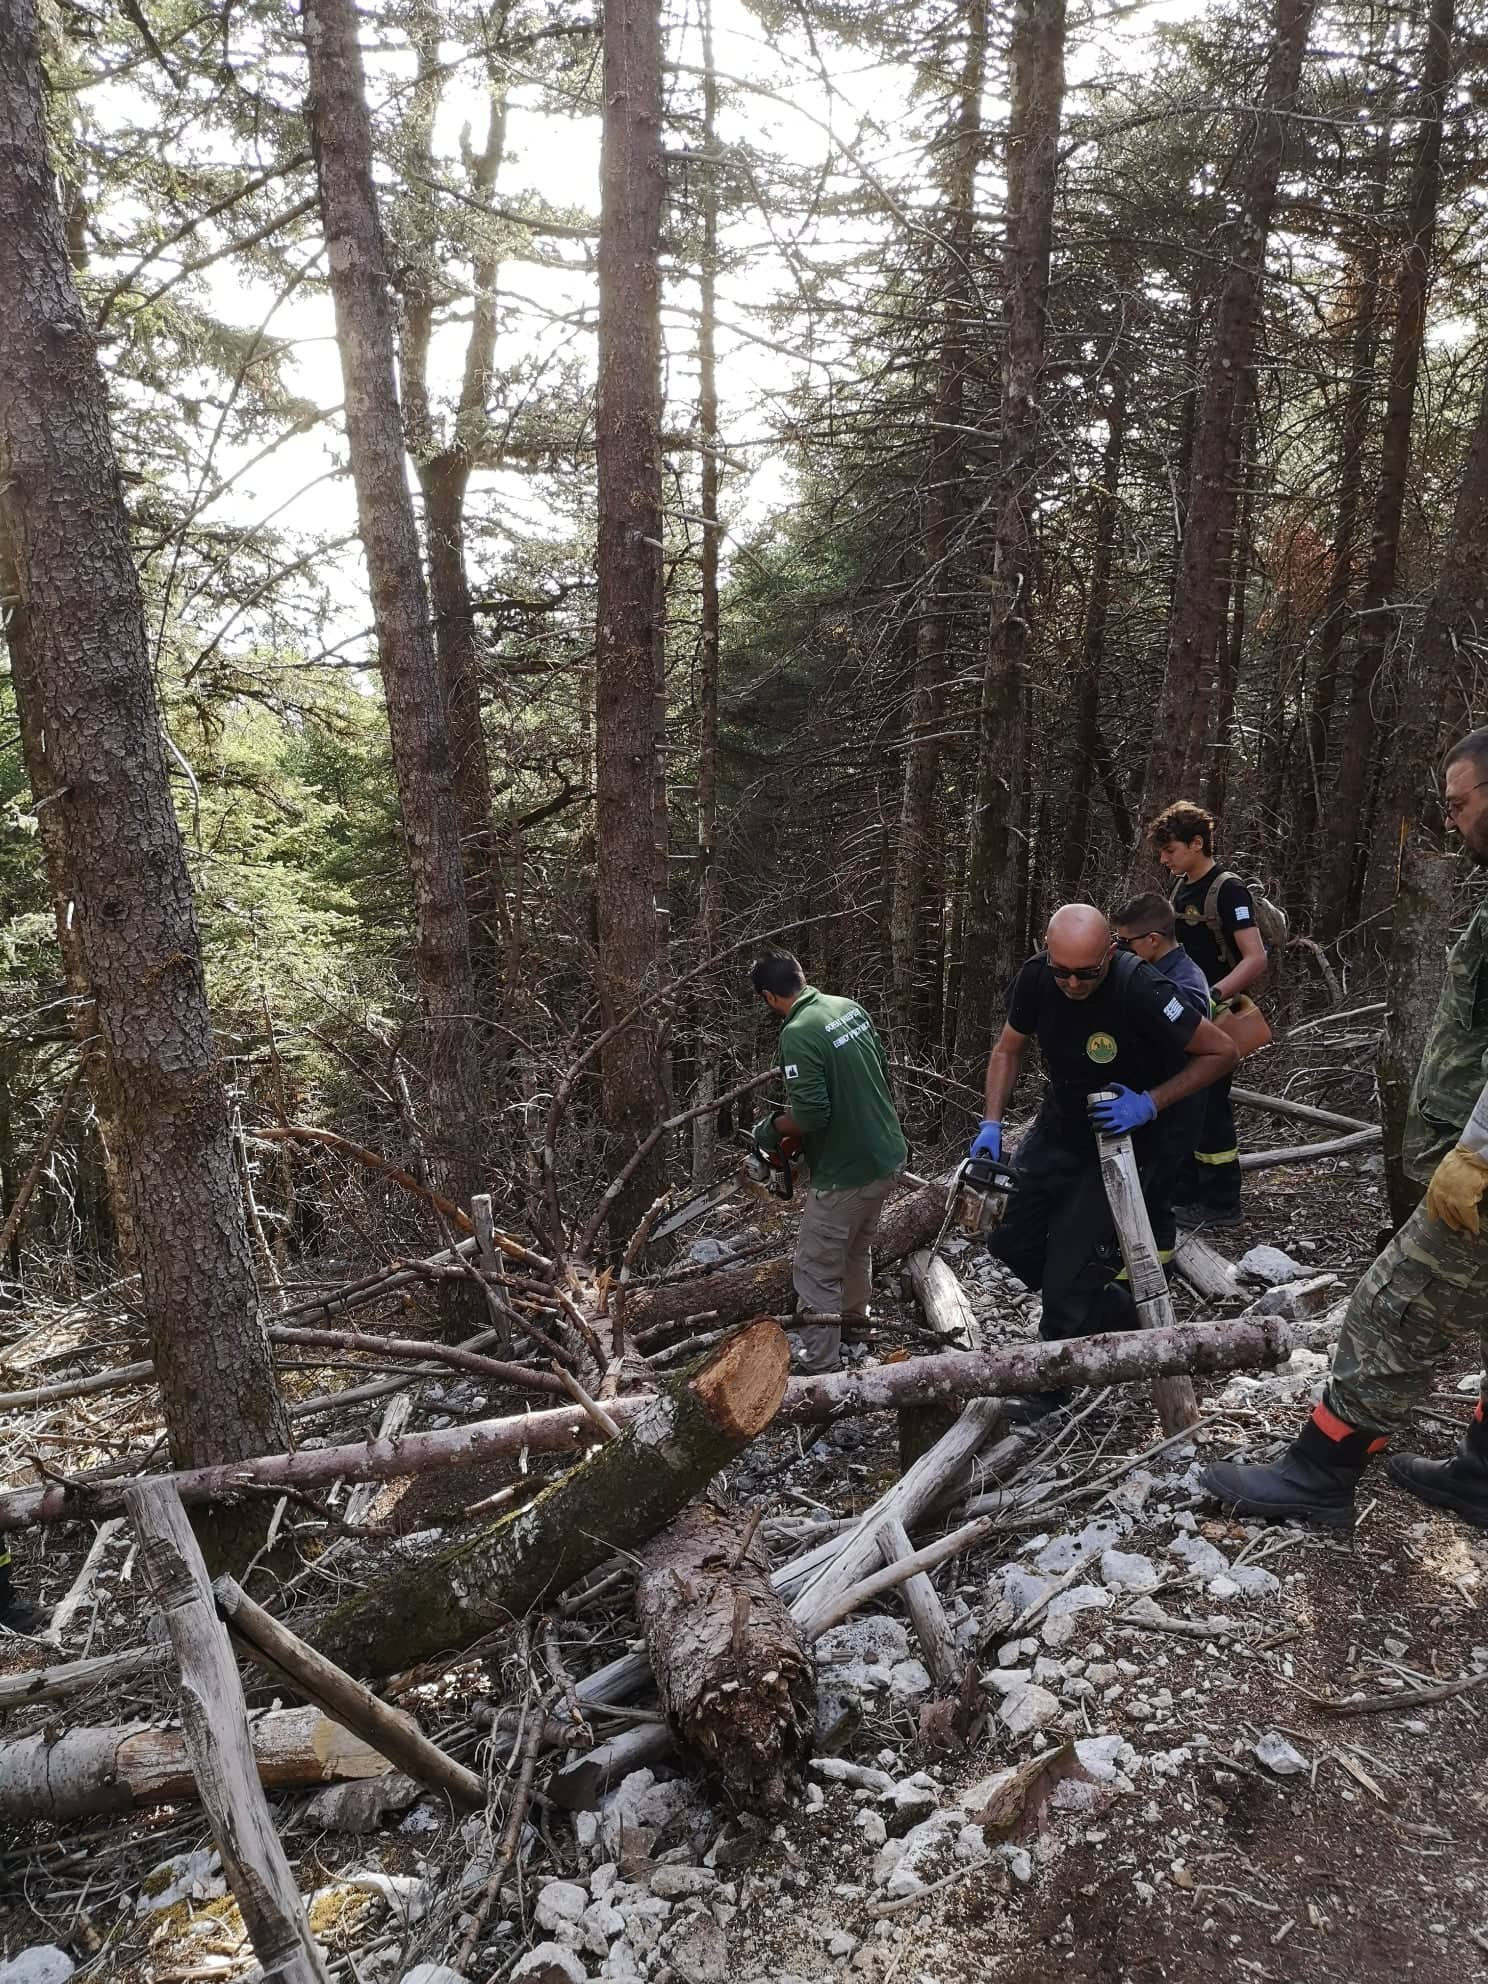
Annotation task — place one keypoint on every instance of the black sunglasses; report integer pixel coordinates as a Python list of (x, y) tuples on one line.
[(1086, 973)]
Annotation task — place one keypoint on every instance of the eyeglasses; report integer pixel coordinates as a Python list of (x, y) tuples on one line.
[(1453, 807), (1086, 973), (1125, 943)]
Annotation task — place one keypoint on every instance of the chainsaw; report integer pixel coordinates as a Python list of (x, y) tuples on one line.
[(775, 1169), (979, 1195)]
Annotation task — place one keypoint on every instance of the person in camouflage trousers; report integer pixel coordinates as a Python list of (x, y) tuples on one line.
[(1430, 1285)]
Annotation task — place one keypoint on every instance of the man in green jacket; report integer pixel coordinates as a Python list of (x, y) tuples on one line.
[(1429, 1288), (837, 1104)]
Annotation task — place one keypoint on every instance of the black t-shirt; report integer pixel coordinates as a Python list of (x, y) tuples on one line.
[(1133, 1029), (1235, 908)]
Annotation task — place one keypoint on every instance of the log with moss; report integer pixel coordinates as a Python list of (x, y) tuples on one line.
[(621, 1495), (732, 1670)]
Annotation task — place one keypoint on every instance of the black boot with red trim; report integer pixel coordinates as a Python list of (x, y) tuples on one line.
[(1459, 1484), (1314, 1481)]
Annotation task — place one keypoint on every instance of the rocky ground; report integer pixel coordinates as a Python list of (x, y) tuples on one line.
[(1208, 1749)]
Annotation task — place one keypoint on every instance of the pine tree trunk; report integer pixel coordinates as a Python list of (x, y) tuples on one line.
[(341, 135), (1093, 649), (706, 1059), (914, 844), (1201, 588), (994, 861), (1340, 879), (1306, 868), (119, 867), (1439, 688), (628, 637)]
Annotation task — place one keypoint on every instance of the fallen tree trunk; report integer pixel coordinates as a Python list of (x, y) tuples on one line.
[(1202, 1349), (756, 1287), (84, 1771), (79, 1677), (1304, 1112), (1207, 1272), (949, 1314), (620, 1496), (732, 1672), (1266, 1160)]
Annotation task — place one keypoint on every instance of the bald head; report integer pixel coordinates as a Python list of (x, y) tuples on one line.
[(1078, 939)]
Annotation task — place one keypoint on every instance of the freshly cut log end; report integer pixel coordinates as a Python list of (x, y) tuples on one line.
[(743, 1385), (732, 1671), (617, 1498)]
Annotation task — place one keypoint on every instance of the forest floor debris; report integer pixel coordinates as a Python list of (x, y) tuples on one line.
[(1162, 1787)]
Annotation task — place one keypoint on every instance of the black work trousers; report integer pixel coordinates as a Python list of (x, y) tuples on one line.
[(1057, 1234), (1210, 1177)]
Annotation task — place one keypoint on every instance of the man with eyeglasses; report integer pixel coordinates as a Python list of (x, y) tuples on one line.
[(1103, 1019), (1430, 1285)]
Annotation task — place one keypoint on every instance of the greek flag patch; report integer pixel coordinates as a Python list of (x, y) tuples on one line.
[(1242, 914), (1172, 1009)]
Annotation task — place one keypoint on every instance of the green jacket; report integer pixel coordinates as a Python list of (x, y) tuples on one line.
[(837, 1088), (1454, 1061)]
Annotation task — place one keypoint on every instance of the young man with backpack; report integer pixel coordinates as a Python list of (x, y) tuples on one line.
[(1219, 924)]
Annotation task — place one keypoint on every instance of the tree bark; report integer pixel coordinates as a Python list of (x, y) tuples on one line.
[(84, 1771), (1201, 586), (1341, 876), (919, 1381), (617, 1498), (96, 759), (1087, 741), (943, 508), (443, 463), (341, 136), (628, 641), (706, 1055), (1352, 434), (732, 1671), (989, 937)]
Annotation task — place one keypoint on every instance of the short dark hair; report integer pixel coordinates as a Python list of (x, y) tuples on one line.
[(1150, 912), (777, 972), (1473, 747), (1184, 820)]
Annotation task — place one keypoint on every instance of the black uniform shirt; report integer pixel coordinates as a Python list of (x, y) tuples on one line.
[(1134, 1029), (1233, 906)]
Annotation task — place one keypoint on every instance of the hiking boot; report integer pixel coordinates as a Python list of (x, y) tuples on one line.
[(1314, 1481), (1459, 1484), (1216, 1218), (1024, 1408)]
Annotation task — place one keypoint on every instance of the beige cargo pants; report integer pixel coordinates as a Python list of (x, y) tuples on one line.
[(833, 1266)]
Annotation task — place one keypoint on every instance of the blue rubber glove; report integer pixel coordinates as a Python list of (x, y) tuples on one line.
[(988, 1141), (1124, 1109)]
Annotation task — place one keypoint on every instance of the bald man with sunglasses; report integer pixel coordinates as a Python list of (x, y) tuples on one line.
[(1103, 1019)]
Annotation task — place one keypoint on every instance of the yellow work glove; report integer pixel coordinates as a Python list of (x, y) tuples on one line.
[(1457, 1185)]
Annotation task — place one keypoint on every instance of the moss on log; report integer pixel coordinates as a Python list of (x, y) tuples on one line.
[(623, 1493)]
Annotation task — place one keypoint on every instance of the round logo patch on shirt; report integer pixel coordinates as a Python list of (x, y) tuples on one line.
[(1100, 1047)]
